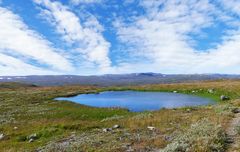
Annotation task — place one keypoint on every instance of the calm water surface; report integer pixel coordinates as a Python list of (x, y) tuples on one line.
[(138, 101)]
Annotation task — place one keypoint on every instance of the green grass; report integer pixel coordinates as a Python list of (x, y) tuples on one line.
[(202, 93), (32, 110)]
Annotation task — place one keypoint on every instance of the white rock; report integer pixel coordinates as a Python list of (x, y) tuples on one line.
[(174, 91), (151, 128), (210, 90), (2, 136), (116, 126), (223, 97), (33, 136), (15, 128), (107, 129)]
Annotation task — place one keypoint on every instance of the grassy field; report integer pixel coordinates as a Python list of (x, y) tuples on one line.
[(31, 120)]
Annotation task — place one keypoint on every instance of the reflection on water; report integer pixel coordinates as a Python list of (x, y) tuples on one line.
[(138, 101)]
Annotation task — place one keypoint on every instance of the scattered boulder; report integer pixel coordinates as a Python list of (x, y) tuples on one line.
[(167, 138), (15, 128), (32, 137), (110, 129), (2, 136), (236, 110), (223, 97), (107, 129), (210, 90), (151, 128), (116, 126), (130, 150), (31, 140)]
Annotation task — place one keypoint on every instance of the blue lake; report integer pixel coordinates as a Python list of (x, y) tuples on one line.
[(138, 101)]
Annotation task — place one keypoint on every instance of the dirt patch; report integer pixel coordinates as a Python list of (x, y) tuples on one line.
[(233, 134)]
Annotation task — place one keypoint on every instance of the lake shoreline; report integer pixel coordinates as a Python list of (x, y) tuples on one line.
[(107, 99)]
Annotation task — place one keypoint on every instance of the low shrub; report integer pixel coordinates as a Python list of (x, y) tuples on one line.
[(202, 136)]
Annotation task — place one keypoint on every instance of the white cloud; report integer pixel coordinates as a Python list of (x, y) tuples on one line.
[(157, 39), (162, 37), (77, 2), (85, 36), (12, 66), (17, 38), (231, 5)]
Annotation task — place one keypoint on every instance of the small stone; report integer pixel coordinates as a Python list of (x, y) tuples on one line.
[(116, 126), (151, 128), (31, 140), (188, 110), (175, 92), (15, 128), (210, 90), (223, 98), (107, 129), (33, 136), (236, 110), (193, 91), (168, 138), (130, 150), (2, 136)]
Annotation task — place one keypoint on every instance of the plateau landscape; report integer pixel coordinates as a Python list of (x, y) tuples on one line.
[(119, 76)]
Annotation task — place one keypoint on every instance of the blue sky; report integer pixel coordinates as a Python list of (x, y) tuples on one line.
[(88, 37)]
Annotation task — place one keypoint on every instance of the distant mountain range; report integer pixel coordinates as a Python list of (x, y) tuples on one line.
[(114, 79)]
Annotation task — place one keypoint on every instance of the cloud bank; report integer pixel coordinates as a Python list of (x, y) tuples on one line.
[(19, 43), (86, 37), (163, 36)]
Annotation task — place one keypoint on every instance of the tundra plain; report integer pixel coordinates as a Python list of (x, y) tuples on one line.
[(31, 120)]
